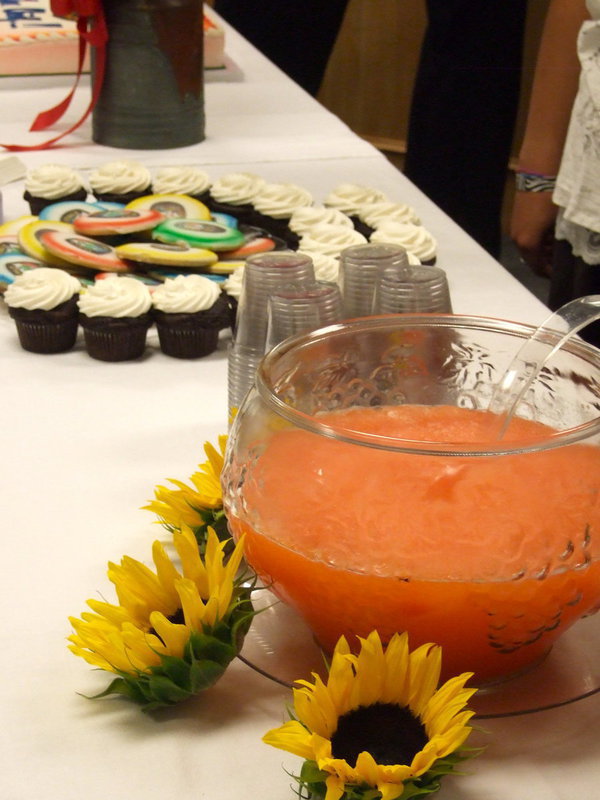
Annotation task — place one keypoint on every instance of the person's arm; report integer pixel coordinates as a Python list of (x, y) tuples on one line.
[(553, 92)]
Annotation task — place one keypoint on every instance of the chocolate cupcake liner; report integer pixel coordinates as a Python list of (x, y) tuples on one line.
[(185, 339), (115, 197), (115, 338), (37, 204), (53, 331)]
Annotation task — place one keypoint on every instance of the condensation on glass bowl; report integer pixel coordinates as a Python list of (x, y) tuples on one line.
[(280, 646)]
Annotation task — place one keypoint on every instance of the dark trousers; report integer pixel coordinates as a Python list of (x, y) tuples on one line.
[(296, 36), (463, 110)]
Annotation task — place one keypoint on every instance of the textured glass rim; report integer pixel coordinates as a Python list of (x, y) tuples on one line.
[(265, 389)]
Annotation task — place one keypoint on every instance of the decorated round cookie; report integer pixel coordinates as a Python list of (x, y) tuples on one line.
[(107, 222), (13, 227), (171, 206), (164, 254), (225, 219), (68, 210), (83, 251), (9, 243), (198, 233), (30, 241), (161, 275), (225, 267), (13, 264)]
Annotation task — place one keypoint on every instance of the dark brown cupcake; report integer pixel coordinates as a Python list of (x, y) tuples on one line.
[(115, 338), (53, 331)]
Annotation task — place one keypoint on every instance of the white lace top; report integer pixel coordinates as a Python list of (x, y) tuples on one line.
[(578, 185)]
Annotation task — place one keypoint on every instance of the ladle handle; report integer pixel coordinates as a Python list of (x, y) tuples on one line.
[(551, 335)]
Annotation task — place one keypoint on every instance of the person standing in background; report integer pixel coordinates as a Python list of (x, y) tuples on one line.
[(556, 215), (463, 110), (296, 36)]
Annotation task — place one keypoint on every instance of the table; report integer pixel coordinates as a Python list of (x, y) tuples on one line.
[(84, 444)]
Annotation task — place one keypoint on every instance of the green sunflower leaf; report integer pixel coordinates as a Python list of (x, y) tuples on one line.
[(208, 647), (164, 691), (203, 674)]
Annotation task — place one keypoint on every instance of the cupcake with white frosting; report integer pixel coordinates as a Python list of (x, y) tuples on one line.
[(330, 240), (350, 197), (414, 238), (234, 194), (43, 303), (327, 268), (306, 217), (120, 181), (189, 311), (114, 314), (372, 215), (182, 180), (52, 183), (274, 205)]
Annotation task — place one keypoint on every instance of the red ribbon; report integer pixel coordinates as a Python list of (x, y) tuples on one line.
[(92, 30)]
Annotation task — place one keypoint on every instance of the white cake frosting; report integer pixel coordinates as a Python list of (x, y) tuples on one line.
[(307, 217), (185, 294), (327, 267), (373, 214), (52, 181), (237, 188), (180, 180), (414, 238), (280, 200), (120, 177), (349, 197), (115, 296), (43, 288), (233, 283), (330, 239)]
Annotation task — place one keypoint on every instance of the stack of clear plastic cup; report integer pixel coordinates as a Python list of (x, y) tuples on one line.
[(423, 289), (296, 310), (360, 267), (263, 274)]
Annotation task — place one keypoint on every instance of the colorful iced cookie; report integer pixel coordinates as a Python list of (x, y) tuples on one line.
[(30, 240), (83, 251), (13, 264), (197, 233), (225, 219), (252, 246), (68, 210), (225, 267), (108, 222), (172, 206), (161, 275), (175, 255), (13, 227), (9, 244)]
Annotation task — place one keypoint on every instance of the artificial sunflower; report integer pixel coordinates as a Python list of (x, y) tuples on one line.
[(198, 506), (379, 727), (174, 631)]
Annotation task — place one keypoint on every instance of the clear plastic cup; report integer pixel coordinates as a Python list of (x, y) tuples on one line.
[(264, 274), (360, 267), (421, 289), (299, 309), (242, 363)]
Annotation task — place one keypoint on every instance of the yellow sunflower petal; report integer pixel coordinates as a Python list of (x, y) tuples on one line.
[(370, 672), (293, 737), (335, 787), (425, 667), (397, 678)]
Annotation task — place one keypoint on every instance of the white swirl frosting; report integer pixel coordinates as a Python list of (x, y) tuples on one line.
[(233, 283), (115, 296), (330, 239), (349, 197), (373, 214), (41, 288), (414, 238), (280, 200), (120, 177), (237, 188), (52, 180), (307, 217), (327, 268), (180, 180), (185, 294)]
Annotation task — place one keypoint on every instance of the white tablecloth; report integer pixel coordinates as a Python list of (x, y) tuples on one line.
[(84, 443)]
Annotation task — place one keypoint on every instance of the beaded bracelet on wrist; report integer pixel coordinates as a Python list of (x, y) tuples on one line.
[(534, 182)]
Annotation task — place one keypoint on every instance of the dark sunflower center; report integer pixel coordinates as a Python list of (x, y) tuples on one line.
[(390, 733), (177, 619)]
